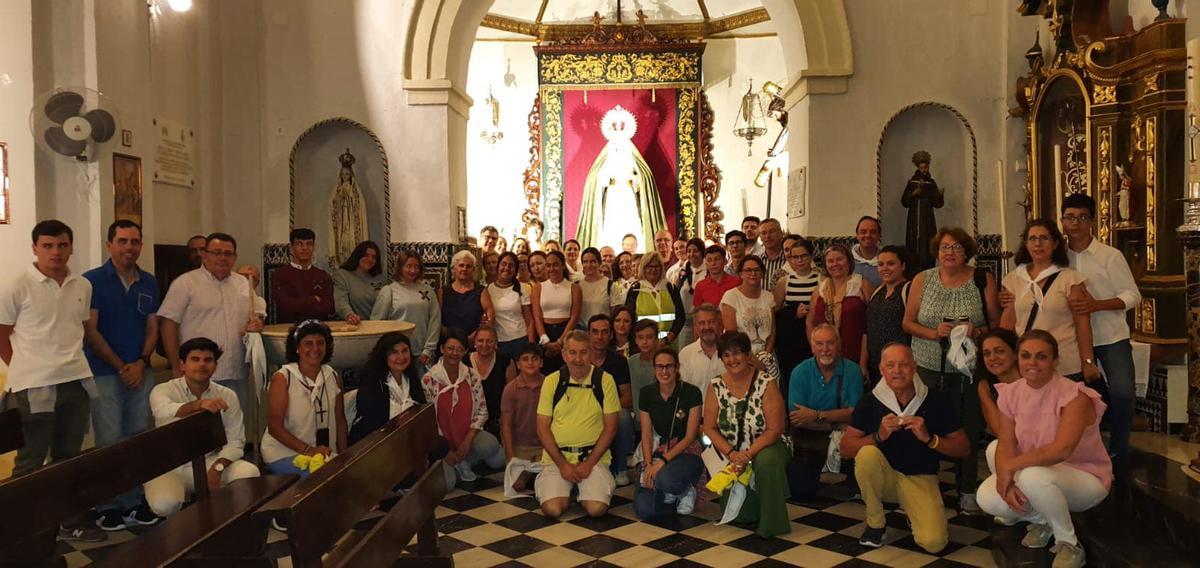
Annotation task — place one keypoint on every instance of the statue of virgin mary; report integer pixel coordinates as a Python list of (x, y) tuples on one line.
[(347, 214), (619, 195)]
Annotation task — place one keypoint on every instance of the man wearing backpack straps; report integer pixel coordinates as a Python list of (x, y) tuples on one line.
[(577, 420)]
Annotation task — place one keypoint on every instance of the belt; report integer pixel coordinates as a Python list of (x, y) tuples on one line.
[(583, 451)]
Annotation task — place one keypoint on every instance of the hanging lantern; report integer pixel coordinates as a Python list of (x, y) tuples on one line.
[(491, 133), (750, 122)]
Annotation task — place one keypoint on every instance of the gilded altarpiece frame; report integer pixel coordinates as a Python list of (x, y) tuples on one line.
[(1130, 104), (592, 67)]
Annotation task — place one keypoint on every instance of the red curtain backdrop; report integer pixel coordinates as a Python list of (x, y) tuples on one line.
[(655, 139)]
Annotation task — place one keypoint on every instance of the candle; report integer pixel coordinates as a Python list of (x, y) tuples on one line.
[(1058, 170), (1003, 206)]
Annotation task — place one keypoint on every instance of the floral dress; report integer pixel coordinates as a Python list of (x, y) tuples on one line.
[(744, 415)]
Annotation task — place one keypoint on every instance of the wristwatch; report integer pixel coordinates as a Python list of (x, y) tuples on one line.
[(219, 467), (1090, 361)]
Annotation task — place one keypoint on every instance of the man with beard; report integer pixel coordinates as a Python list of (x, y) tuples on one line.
[(698, 361)]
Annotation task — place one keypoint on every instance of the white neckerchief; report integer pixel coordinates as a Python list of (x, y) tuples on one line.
[(439, 374), (1032, 284), (859, 259), (887, 396), (316, 396), (398, 391)]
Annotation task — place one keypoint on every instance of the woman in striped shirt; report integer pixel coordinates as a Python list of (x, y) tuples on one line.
[(794, 296)]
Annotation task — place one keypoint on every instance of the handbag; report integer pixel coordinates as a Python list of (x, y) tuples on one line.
[(833, 456)]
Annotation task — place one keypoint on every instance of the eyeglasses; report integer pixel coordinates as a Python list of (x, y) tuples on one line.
[(1076, 218), (751, 271), (954, 247), (664, 367), (735, 242), (221, 253), (800, 256), (1038, 239)]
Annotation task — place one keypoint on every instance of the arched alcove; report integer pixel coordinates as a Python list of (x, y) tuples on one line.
[(947, 135), (313, 168)]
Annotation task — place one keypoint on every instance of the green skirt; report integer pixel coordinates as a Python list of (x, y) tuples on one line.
[(766, 506)]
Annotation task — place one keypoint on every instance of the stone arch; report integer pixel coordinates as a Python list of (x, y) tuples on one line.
[(974, 156)]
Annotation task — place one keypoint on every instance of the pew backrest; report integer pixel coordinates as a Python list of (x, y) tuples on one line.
[(39, 501), (326, 505), (10, 431)]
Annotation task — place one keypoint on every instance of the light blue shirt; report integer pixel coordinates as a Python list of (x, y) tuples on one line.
[(808, 388)]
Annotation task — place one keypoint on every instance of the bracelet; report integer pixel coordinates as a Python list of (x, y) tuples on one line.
[(933, 444)]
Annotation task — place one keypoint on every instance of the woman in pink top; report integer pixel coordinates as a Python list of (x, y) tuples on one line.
[(1049, 460)]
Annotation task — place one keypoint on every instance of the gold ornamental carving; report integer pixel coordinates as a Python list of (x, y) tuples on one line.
[(710, 175), (1104, 181), (533, 173), (1151, 193), (1151, 82), (552, 158), (1104, 94), (686, 133), (1144, 317), (618, 68)]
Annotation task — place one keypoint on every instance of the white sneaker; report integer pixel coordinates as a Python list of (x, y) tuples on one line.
[(463, 469), (1036, 536), (1068, 556), (622, 479), (687, 503), (670, 498)]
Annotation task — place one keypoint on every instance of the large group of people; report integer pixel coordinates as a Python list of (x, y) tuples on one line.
[(578, 370)]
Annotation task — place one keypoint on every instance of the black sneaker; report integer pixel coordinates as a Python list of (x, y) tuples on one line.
[(81, 533), (873, 537), (141, 515), (279, 524), (111, 521)]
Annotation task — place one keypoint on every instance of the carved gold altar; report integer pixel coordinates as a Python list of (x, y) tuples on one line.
[(1105, 116), (583, 75)]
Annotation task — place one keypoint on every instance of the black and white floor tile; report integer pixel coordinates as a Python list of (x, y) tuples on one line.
[(480, 528)]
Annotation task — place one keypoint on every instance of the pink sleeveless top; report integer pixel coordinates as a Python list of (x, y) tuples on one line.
[(1036, 414)]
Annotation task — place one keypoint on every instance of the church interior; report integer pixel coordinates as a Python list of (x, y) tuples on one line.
[(449, 131)]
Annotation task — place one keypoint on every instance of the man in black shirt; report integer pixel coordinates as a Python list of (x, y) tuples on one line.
[(602, 355), (897, 436)]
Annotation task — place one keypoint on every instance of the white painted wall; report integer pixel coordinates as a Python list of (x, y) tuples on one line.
[(16, 96)]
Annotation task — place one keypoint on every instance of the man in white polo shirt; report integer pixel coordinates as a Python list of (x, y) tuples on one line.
[(698, 361), (42, 311)]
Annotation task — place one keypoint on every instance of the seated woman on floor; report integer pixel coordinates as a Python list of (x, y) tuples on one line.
[(744, 417), (1051, 462), (305, 414), (390, 385), (669, 410), (456, 391), (997, 363)]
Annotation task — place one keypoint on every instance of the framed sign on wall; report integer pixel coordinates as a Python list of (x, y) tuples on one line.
[(127, 187)]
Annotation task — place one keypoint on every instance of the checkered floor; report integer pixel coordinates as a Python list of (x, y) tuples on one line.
[(480, 528)]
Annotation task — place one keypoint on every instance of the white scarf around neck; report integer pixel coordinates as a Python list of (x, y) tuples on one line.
[(1032, 285), (885, 395), (439, 374)]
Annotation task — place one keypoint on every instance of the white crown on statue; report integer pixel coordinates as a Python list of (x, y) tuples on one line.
[(618, 124)]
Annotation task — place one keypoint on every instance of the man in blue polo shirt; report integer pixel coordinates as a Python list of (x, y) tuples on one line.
[(822, 394), (120, 336)]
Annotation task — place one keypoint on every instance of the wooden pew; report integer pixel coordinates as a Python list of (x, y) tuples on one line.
[(323, 508), (10, 431), (37, 503)]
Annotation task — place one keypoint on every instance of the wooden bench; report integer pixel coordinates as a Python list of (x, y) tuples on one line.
[(37, 503), (323, 509), (10, 431)]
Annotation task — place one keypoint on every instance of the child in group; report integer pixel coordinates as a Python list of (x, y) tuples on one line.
[(518, 416)]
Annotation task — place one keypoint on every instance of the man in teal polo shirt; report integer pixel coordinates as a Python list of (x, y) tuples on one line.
[(822, 393), (120, 336)]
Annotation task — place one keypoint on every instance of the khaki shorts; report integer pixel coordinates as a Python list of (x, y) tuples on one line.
[(598, 486)]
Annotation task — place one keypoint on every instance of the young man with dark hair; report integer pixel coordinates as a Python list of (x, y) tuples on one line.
[(43, 310), (121, 335), (601, 354), (735, 242), (716, 281), (866, 251), (212, 301), (188, 394), (299, 290), (750, 224), (1110, 292)]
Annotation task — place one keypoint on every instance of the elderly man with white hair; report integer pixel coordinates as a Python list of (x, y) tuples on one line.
[(897, 436)]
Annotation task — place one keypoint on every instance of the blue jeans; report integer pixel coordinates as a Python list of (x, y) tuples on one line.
[(673, 479), (484, 448), (512, 348), (119, 412), (1117, 361), (622, 443)]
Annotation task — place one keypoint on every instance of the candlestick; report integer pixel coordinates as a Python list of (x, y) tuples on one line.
[(1003, 207)]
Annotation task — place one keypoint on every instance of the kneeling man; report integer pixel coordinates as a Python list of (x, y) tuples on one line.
[(191, 393), (897, 436), (576, 422)]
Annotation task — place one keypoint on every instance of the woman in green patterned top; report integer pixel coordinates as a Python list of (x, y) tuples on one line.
[(745, 419)]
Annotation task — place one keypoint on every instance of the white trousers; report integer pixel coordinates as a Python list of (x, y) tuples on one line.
[(1054, 492), (165, 493)]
